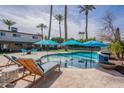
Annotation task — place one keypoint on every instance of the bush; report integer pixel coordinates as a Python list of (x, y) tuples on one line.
[(58, 39), (118, 49), (84, 40)]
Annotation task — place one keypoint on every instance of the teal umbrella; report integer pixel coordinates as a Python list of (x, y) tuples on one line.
[(92, 44), (47, 43), (71, 42)]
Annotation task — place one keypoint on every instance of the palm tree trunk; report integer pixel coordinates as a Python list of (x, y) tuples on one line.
[(9, 28), (86, 27), (60, 29), (65, 25), (42, 32), (51, 10)]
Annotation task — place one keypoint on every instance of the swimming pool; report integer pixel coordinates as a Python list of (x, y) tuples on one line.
[(73, 59)]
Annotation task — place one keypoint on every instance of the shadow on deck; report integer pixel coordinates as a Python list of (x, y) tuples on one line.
[(51, 78)]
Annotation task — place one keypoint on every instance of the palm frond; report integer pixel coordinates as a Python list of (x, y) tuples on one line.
[(8, 22), (86, 8), (59, 17), (41, 25)]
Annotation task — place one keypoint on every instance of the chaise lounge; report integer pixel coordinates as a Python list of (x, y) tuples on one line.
[(35, 68), (11, 61)]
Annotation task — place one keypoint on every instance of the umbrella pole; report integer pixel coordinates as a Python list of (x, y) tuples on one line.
[(60, 61), (47, 54), (91, 58), (72, 58)]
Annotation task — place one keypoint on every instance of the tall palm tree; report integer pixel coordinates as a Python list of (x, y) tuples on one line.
[(50, 21), (42, 27), (65, 23), (86, 9), (9, 23), (59, 18)]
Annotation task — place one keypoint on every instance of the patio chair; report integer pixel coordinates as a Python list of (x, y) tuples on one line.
[(35, 68), (23, 51), (11, 61), (33, 50)]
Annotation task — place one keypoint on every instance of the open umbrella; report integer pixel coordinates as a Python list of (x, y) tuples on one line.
[(48, 43), (92, 44), (71, 42)]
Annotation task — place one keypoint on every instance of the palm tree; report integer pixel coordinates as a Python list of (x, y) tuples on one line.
[(50, 21), (65, 23), (42, 26), (59, 18), (9, 23), (86, 9)]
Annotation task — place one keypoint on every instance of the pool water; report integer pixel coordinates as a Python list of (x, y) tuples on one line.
[(73, 60)]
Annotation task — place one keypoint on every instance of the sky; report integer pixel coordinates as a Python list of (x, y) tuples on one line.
[(27, 17)]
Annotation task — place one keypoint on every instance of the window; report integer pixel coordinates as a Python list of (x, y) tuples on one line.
[(16, 35), (18, 44), (35, 37), (2, 34)]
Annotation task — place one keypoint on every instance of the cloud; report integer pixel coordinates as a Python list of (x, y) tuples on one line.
[(28, 17)]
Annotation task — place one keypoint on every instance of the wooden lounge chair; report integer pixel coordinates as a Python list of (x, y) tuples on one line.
[(36, 68), (11, 61)]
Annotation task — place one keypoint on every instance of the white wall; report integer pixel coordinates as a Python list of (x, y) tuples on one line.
[(23, 38)]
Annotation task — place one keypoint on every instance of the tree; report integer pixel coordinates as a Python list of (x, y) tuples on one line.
[(89, 39), (118, 49), (9, 23), (58, 39), (42, 27), (109, 31), (50, 21), (59, 18), (45, 37), (65, 25), (86, 9), (81, 35), (118, 36)]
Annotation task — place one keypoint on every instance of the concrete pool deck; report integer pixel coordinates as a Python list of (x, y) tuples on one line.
[(82, 78), (73, 78)]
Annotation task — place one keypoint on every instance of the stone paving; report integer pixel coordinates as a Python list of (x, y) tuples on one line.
[(72, 77)]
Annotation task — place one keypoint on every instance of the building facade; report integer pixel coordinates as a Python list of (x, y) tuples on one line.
[(14, 41)]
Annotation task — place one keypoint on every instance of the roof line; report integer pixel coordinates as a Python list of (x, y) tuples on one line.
[(17, 32)]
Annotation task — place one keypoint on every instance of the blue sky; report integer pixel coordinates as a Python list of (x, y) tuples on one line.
[(27, 17)]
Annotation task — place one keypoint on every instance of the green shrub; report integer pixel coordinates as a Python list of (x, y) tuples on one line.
[(58, 39), (117, 48), (84, 40)]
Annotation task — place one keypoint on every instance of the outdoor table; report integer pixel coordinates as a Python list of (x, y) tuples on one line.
[(8, 75)]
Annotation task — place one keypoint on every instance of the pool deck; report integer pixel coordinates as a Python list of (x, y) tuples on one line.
[(72, 77), (82, 78)]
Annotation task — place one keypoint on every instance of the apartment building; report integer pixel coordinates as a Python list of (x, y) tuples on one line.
[(14, 41)]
